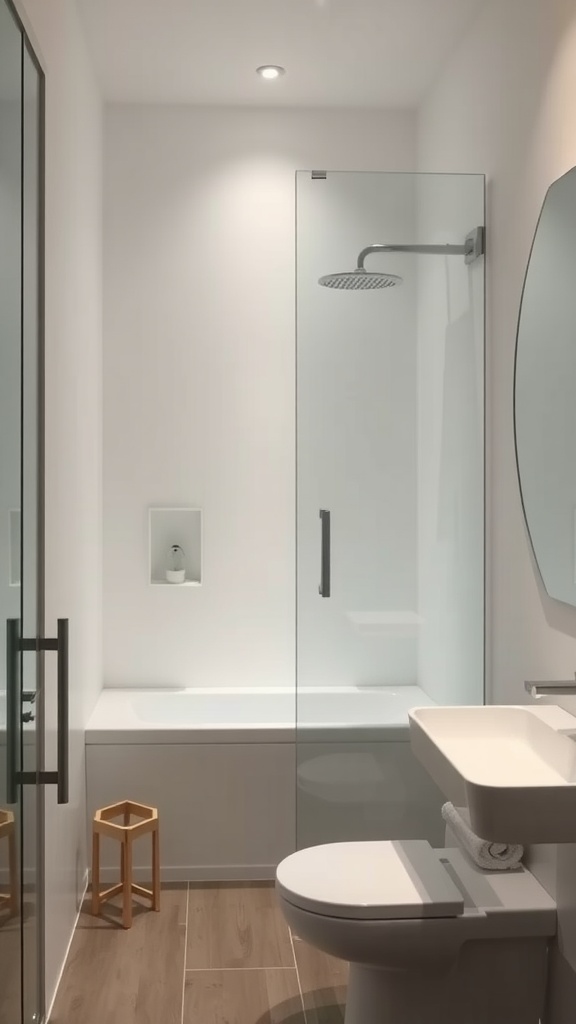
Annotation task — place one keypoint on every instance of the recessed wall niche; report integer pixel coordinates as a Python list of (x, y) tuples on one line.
[(175, 544)]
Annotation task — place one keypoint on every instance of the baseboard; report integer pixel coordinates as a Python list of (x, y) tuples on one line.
[(84, 888), (201, 873)]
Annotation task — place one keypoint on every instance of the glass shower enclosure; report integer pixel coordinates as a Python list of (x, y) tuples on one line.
[(21, 526), (390, 489)]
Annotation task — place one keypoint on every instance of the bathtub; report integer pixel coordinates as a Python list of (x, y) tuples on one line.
[(252, 715), (228, 770)]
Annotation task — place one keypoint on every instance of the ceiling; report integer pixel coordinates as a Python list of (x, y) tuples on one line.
[(337, 53)]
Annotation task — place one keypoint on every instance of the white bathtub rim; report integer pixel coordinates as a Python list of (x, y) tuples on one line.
[(115, 718), (233, 690)]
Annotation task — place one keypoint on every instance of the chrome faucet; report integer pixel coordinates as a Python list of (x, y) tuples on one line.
[(560, 688)]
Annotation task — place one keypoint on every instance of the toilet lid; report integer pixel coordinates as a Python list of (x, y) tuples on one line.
[(370, 880)]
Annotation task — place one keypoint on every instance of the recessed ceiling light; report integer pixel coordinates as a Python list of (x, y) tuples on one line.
[(271, 71)]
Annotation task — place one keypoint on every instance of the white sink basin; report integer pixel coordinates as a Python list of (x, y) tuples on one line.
[(513, 767)]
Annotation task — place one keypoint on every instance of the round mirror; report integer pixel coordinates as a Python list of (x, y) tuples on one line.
[(545, 391)]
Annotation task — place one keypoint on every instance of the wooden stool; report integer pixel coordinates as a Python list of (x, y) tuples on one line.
[(126, 832), (7, 831)]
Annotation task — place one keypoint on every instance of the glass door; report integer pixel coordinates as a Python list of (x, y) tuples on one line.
[(31, 698), (390, 504), (21, 524), (11, 820)]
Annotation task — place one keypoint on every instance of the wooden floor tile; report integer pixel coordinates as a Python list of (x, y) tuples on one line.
[(236, 925), (323, 980), (251, 996), (134, 976), (9, 966)]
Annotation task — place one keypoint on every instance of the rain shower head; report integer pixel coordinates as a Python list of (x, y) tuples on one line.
[(367, 280), (359, 280)]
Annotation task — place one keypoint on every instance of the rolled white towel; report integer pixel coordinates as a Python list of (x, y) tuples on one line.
[(491, 856)]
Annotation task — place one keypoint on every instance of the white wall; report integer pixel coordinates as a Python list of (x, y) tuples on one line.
[(516, 124), (505, 105), (199, 375), (73, 430)]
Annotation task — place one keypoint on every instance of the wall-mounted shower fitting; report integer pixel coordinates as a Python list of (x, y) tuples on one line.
[(361, 279)]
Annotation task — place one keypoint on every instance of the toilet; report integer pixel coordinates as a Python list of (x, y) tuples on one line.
[(430, 937)]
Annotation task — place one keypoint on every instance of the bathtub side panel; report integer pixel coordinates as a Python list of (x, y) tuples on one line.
[(227, 810), (352, 792)]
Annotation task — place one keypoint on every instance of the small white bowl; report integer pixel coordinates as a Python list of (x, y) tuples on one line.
[(176, 575)]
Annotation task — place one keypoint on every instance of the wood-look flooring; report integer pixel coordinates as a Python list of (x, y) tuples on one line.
[(215, 954), (10, 954)]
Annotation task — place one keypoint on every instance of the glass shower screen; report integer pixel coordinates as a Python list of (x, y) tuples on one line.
[(390, 490)]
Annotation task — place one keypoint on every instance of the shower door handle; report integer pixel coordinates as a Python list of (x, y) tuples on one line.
[(15, 776), (324, 588), (59, 778), (12, 709)]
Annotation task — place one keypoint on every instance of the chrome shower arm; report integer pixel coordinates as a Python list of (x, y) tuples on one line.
[(472, 248), (430, 250)]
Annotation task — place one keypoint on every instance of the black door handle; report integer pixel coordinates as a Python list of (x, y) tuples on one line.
[(63, 771), (15, 777), (324, 588), (12, 709)]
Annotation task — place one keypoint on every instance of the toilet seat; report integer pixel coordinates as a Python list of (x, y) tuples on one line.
[(370, 881)]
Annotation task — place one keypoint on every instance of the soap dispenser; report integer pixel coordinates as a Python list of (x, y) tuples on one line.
[(175, 570)]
